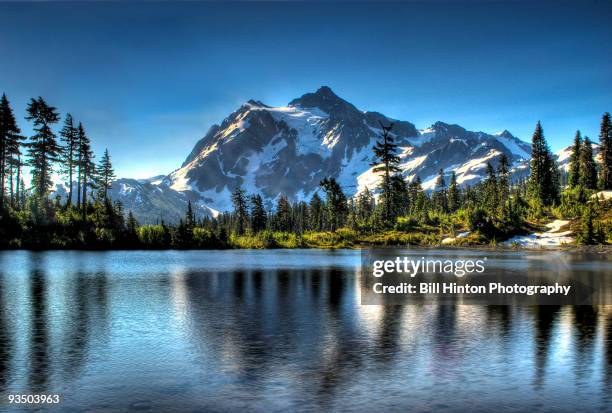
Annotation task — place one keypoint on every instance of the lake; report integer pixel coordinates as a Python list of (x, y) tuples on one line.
[(281, 330)]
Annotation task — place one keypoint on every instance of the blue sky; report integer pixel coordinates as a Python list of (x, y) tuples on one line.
[(148, 79)]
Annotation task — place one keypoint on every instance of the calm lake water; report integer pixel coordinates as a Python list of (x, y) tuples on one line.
[(281, 331)]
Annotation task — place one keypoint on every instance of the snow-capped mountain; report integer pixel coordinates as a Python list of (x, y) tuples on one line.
[(149, 201), (290, 149)]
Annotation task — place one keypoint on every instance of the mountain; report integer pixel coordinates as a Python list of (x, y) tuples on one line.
[(149, 201), (290, 149)]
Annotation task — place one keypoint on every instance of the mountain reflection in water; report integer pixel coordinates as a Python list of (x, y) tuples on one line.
[(280, 331)]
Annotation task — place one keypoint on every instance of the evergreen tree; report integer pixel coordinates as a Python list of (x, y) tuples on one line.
[(605, 150), (490, 193), (132, 228), (282, 219), (453, 193), (190, 219), (439, 196), (417, 196), (386, 161), (105, 175), (70, 138), (588, 168), (335, 203), (587, 231), (573, 178), (544, 178), (399, 199), (86, 167), (258, 214), (364, 207), (300, 217), (10, 148), (43, 149), (315, 213), (503, 174), (240, 211)]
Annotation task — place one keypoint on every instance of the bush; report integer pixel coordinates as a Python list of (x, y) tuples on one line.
[(153, 236), (204, 238)]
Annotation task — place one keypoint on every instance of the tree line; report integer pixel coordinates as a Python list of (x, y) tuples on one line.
[(493, 209)]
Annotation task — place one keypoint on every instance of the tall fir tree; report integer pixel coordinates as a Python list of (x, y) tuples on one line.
[(10, 150), (87, 168), (190, 219), (605, 150), (386, 161), (335, 204), (240, 211), (258, 214), (503, 183), (70, 139), (315, 213), (43, 148), (364, 207), (453, 193), (588, 168), (283, 217), (439, 196), (544, 179), (573, 178), (105, 175), (490, 193)]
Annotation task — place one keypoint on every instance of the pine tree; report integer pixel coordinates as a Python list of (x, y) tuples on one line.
[(335, 203), (190, 220), (399, 197), (70, 138), (490, 194), (417, 196), (439, 196), (453, 193), (86, 167), (300, 217), (240, 210), (10, 148), (544, 178), (605, 150), (386, 161), (258, 214), (132, 227), (315, 213), (104, 175), (43, 149), (364, 207), (587, 232), (282, 219), (573, 178), (588, 168), (503, 174)]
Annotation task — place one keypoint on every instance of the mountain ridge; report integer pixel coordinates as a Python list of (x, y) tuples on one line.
[(274, 150)]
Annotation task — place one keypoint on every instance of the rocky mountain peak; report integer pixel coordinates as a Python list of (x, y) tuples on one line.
[(506, 134), (326, 100)]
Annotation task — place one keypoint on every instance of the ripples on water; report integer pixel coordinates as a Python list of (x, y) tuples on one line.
[(280, 331)]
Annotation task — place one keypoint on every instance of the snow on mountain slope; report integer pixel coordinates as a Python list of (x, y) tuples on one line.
[(290, 149)]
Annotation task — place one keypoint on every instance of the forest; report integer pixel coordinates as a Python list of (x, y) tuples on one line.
[(395, 213)]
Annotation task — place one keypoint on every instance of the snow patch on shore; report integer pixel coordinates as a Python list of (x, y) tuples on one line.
[(550, 238), (450, 240)]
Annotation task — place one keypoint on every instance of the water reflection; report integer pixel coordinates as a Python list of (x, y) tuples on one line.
[(6, 337), (112, 336)]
